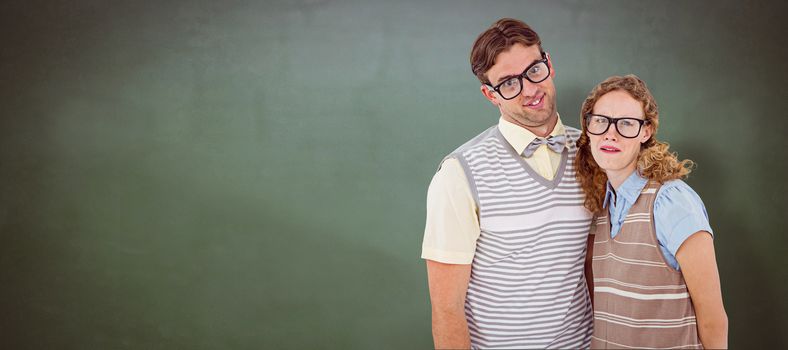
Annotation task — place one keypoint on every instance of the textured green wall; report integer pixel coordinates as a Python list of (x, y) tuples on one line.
[(247, 174)]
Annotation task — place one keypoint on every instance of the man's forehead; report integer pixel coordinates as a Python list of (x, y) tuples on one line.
[(513, 61)]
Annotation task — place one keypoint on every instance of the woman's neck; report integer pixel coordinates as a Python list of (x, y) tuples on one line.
[(617, 178)]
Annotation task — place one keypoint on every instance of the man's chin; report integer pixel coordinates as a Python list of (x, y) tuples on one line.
[(538, 118)]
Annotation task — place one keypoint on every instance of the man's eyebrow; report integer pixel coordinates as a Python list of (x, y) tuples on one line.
[(505, 78)]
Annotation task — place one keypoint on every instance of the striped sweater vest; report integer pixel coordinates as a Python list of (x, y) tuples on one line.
[(527, 287), (639, 300)]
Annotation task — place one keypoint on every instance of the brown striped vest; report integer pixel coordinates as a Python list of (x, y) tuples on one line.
[(639, 300)]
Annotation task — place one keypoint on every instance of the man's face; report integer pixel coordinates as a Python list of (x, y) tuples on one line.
[(534, 108)]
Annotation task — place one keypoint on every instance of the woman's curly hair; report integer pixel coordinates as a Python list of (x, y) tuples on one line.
[(655, 162)]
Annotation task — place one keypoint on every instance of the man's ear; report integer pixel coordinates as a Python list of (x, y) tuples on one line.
[(550, 64), (489, 94)]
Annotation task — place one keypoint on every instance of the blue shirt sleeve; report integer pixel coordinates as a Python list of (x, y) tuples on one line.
[(678, 213)]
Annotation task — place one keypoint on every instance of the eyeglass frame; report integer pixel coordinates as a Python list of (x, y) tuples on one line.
[(497, 88), (614, 121)]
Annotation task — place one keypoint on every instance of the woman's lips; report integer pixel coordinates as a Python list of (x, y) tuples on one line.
[(609, 149)]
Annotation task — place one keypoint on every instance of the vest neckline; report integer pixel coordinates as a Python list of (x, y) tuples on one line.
[(559, 173)]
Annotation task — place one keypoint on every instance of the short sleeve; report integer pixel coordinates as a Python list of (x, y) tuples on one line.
[(452, 225), (678, 214)]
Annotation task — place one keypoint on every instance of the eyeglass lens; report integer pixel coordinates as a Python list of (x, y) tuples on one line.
[(627, 127), (513, 86)]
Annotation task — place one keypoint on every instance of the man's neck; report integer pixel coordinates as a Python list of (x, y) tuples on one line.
[(539, 130)]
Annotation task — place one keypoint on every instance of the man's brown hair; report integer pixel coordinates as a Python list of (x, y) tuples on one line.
[(502, 35)]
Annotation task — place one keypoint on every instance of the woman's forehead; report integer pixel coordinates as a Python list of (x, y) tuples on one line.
[(618, 103)]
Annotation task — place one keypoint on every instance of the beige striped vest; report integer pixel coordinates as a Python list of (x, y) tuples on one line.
[(639, 300)]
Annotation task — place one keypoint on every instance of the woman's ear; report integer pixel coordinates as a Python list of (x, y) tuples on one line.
[(647, 133)]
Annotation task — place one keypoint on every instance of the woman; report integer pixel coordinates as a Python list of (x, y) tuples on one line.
[(655, 277)]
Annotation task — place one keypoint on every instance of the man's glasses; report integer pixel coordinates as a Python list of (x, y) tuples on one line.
[(598, 124), (535, 73)]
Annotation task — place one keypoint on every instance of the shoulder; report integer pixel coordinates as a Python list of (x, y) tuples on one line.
[(474, 143), (449, 167), (572, 133), (677, 190), (572, 130), (450, 180), (452, 161), (678, 213), (676, 198)]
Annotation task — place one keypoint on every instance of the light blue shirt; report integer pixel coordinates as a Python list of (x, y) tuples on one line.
[(678, 212)]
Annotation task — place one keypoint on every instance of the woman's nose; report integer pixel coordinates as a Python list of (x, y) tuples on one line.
[(611, 133)]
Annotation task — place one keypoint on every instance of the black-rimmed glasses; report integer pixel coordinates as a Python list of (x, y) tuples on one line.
[(535, 73), (598, 124)]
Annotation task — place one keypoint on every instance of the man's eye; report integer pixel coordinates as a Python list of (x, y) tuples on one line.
[(510, 83), (535, 69)]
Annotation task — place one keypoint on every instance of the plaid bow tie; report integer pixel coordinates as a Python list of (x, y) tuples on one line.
[(555, 143)]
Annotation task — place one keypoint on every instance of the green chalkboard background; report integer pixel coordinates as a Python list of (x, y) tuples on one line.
[(253, 174)]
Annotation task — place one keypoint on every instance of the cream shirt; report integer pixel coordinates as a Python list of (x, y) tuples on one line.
[(452, 226)]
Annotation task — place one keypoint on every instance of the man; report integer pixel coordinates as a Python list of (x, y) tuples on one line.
[(506, 233)]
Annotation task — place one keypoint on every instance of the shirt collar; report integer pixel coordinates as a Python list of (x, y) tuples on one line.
[(520, 137), (630, 189)]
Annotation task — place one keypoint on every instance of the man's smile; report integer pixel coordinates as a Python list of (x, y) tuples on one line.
[(536, 102)]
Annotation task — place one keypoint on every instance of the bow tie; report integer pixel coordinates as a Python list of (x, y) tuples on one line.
[(555, 143)]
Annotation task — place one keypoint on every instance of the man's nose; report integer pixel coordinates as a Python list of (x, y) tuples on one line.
[(529, 88)]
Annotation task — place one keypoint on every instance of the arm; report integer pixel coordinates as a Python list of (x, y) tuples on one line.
[(450, 235), (448, 284), (588, 267), (699, 266)]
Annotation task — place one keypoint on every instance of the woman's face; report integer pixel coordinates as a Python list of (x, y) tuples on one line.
[(617, 155)]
